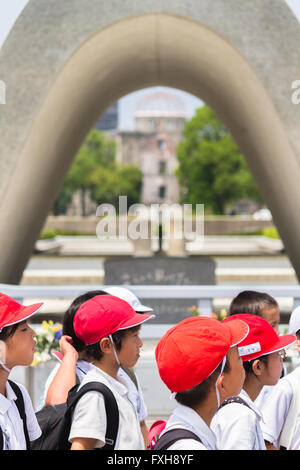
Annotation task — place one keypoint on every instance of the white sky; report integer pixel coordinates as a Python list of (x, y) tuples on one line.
[(9, 11)]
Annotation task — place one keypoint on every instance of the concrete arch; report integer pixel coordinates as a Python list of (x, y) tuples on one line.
[(80, 61)]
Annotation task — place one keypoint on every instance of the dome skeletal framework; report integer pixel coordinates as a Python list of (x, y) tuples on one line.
[(160, 104)]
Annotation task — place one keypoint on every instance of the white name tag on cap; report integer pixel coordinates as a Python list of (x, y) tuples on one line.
[(249, 349)]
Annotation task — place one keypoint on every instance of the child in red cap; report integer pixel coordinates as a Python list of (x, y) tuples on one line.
[(237, 422), (72, 368), (109, 327), (199, 363), (18, 423)]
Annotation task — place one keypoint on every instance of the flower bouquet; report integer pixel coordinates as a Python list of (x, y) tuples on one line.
[(47, 336)]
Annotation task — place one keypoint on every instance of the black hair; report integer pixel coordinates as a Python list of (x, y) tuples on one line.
[(68, 327), (196, 395), (8, 331), (248, 365), (251, 302), (91, 351)]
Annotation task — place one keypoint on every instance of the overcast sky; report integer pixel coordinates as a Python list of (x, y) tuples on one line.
[(9, 11)]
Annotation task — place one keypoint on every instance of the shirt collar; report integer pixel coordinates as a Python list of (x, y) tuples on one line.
[(117, 384), (5, 402), (193, 422), (244, 395)]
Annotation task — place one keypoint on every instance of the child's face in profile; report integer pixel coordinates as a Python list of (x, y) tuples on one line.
[(130, 349), (272, 316), (20, 346), (272, 370), (233, 379)]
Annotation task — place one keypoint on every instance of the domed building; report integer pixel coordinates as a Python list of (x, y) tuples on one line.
[(159, 118)]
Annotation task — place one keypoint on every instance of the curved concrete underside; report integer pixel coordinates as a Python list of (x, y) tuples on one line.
[(77, 61)]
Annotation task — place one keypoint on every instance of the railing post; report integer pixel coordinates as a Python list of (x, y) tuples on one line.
[(205, 307)]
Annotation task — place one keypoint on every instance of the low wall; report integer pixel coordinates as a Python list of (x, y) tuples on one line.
[(212, 226)]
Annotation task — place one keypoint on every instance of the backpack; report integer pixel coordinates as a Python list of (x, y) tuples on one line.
[(55, 421), (169, 437), (21, 408)]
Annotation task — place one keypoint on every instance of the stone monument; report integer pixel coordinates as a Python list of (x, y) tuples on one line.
[(162, 270)]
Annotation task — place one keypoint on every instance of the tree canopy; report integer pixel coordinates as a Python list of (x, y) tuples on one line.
[(212, 171), (96, 170)]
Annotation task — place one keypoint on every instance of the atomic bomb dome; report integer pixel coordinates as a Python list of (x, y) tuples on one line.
[(160, 111), (160, 103)]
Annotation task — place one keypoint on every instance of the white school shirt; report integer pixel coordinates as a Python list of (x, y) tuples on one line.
[(82, 367), (11, 422), (89, 418), (275, 410), (295, 442), (237, 426), (184, 417)]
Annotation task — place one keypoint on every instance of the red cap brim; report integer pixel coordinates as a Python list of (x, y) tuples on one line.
[(283, 342), (136, 320), (24, 313)]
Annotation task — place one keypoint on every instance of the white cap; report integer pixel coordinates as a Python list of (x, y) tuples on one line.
[(129, 297), (294, 323)]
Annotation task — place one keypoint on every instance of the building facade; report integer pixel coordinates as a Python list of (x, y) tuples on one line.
[(159, 119)]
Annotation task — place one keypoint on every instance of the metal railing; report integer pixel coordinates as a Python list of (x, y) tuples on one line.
[(205, 295), (156, 395)]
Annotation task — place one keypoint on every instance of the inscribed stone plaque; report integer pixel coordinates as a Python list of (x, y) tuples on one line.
[(162, 270)]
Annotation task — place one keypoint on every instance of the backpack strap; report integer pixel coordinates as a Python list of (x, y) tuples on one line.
[(170, 437), (236, 399), (111, 409), (21, 408)]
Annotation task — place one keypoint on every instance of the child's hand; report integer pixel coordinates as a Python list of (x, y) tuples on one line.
[(66, 348)]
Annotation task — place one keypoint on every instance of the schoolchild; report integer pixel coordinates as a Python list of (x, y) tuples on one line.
[(17, 346), (74, 364), (237, 424), (265, 306), (281, 426), (199, 362), (109, 328), (257, 303)]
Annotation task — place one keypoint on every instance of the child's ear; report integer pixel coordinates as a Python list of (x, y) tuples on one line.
[(257, 367), (105, 345), (221, 385)]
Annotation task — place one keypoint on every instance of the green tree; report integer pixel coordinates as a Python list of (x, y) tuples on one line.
[(97, 151), (124, 180), (211, 168), (96, 171)]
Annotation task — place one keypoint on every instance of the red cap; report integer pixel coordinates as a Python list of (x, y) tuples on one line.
[(102, 316), (190, 351), (11, 312), (262, 338)]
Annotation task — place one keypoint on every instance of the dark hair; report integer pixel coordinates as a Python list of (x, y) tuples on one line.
[(68, 327), (251, 302), (196, 395), (8, 331), (91, 351), (248, 364)]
